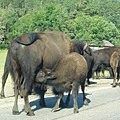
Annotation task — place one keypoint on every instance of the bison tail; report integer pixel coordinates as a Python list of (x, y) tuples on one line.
[(32, 38)]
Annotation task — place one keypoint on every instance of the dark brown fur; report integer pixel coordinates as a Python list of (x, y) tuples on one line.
[(42, 50), (28, 60), (102, 56)]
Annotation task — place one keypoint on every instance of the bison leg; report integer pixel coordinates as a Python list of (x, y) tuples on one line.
[(41, 92), (87, 82), (42, 98), (15, 107), (56, 107), (75, 89), (62, 104), (4, 78), (115, 76), (83, 90), (55, 91), (27, 106), (26, 101), (17, 92), (118, 75), (5, 75), (68, 99)]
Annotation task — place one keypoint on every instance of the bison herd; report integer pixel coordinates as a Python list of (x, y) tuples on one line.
[(43, 59)]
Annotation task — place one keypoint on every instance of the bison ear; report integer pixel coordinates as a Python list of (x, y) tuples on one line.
[(86, 46)]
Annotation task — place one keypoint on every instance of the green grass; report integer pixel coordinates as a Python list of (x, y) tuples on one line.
[(9, 83), (107, 74), (3, 54)]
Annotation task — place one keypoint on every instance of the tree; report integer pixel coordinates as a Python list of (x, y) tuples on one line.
[(95, 29), (93, 20), (49, 18)]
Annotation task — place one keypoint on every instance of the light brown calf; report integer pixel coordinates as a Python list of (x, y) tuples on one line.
[(115, 64)]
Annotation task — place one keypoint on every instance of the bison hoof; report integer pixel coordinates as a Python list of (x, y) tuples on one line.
[(85, 102), (15, 112), (55, 110), (76, 111), (114, 85), (86, 84), (2, 96), (30, 114)]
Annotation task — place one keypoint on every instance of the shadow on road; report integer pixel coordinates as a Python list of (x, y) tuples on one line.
[(50, 102)]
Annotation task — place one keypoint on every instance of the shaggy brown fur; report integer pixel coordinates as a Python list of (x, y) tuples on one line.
[(115, 64), (71, 72)]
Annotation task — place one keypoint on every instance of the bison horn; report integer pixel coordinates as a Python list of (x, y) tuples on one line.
[(85, 47)]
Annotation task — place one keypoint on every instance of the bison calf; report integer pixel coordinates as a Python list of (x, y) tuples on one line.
[(71, 72), (115, 64)]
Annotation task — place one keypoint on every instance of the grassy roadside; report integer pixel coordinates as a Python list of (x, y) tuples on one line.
[(9, 83), (3, 54)]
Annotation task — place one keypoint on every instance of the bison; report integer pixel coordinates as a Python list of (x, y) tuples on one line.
[(43, 49), (102, 57), (115, 64), (87, 54), (102, 68), (28, 60), (71, 72)]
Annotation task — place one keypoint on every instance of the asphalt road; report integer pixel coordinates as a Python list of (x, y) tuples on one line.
[(104, 104)]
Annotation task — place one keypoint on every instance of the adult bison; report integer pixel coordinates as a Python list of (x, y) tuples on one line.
[(46, 51), (81, 47), (87, 52), (71, 72), (115, 64), (29, 53), (102, 57)]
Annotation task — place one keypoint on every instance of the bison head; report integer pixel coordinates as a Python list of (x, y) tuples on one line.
[(44, 75), (82, 47), (87, 49)]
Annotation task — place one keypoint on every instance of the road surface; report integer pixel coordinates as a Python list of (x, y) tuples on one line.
[(104, 104)]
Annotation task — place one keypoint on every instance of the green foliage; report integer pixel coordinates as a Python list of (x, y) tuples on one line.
[(4, 45), (23, 25), (2, 25), (45, 20), (9, 20), (51, 18), (94, 29), (91, 20)]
